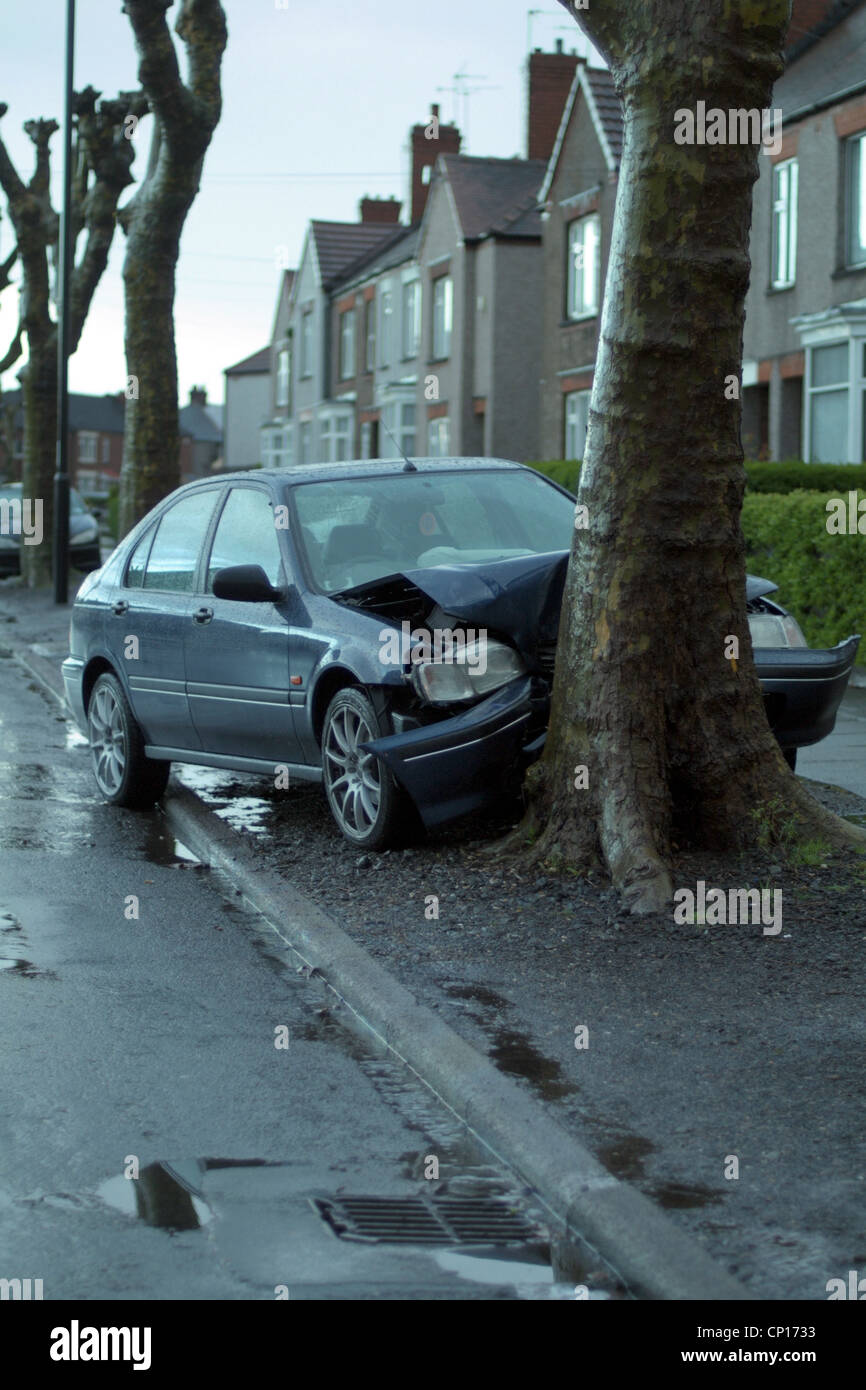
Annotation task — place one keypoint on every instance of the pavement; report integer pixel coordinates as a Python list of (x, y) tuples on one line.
[(655, 1255)]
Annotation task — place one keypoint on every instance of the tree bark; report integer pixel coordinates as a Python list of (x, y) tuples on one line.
[(102, 169), (185, 117), (673, 732)]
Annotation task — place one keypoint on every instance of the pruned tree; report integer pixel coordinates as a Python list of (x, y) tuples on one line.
[(646, 697), (185, 116), (102, 160)]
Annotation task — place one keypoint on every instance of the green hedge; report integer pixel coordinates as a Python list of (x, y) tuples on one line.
[(821, 577), (832, 478)]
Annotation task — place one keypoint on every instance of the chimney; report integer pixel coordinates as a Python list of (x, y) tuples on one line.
[(550, 79), (427, 143), (380, 210), (198, 396)]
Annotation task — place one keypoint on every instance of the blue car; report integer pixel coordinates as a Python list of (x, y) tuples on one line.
[(386, 628)]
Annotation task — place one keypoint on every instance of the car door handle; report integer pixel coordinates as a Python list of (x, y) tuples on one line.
[(120, 607), (202, 615)]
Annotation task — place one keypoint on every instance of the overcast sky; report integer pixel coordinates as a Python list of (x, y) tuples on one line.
[(318, 100)]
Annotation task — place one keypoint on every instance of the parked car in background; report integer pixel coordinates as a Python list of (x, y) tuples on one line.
[(84, 552), (386, 628)]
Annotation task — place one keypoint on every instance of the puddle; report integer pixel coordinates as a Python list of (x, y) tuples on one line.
[(239, 809), (479, 993), (624, 1157), (679, 1195), (161, 847), (528, 1279), (167, 1195), (25, 967), (515, 1054)]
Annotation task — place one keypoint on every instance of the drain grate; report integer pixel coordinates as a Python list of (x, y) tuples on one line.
[(426, 1221)]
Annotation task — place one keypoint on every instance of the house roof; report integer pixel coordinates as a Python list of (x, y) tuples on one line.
[(102, 414), (400, 248), (806, 30), (339, 244), (256, 362), (605, 110), (199, 425), (827, 69), (495, 197)]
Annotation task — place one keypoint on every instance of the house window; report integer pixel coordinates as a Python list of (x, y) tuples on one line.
[(277, 447), (334, 433), (438, 437), (785, 178), (106, 451), (399, 419), (584, 264), (443, 294), (828, 404), (347, 344), (305, 442), (411, 317), (366, 439), (856, 181), (386, 315), (283, 376), (307, 343), (370, 335), (87, 442), (576, 421)]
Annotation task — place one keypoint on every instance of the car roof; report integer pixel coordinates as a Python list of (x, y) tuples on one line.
[(361, 468)]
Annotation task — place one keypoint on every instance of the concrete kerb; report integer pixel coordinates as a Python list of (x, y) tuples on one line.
[(655, 1259)]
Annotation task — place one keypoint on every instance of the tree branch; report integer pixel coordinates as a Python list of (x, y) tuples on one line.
[(10, 181), (201, 26), (158, 70), (13, 352)]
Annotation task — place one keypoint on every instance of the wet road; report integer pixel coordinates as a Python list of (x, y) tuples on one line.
[(140, 1010)]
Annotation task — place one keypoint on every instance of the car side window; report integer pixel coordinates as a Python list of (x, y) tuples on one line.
[(173, 558), (138, 560), (246, 535)]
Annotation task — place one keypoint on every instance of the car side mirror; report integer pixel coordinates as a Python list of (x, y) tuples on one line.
[(245, 584)]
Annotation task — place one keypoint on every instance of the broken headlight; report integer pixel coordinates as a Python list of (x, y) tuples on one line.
[(472, 671), (775, 630)]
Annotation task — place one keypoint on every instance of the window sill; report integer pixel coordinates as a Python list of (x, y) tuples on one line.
[(845, 271), (581, 318), (782, 289)]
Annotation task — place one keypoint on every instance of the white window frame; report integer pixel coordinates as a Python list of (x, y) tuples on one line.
[(88, 441), (576, 419), (439, 437), (371, 309), (385, 331), (784, 243), (583, 277), (411, 317), (855, 200), (443, 316), (347, 344), (307, 343), (305, 442), (335, 436), (281, 394)]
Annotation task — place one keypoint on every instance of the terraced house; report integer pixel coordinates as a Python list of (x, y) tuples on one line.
[(804, 359), (423, 336)]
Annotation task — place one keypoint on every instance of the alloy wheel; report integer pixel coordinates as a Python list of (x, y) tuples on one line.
[(353, 775), (108, 740)]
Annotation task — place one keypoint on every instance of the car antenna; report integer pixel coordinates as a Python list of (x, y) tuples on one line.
[(409, 466)]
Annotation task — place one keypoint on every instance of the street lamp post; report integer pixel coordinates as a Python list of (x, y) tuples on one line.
[(60, 537)]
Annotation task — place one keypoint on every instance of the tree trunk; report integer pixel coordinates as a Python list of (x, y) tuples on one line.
[(671, 729), (39, 402), (185, 117)]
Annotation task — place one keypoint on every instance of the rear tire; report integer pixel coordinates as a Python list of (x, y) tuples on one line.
[(123, 774)]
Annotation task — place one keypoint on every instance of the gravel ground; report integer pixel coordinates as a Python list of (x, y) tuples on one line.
[(705, 1043)]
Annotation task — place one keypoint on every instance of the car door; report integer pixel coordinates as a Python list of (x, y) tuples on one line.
[(149, 618), (237, 653)]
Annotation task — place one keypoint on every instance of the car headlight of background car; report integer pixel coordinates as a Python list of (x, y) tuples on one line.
[(483, 666), (775, 630)]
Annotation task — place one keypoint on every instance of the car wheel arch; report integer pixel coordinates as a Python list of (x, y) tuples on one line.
[(332, 680), (97, 666)]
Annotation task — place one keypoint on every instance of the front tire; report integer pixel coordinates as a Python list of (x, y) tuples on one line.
[(365, 801), (124, 776)]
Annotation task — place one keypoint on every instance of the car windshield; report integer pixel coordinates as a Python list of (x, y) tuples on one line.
[(357, 530)]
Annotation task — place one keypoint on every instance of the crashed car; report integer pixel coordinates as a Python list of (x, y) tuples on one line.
[(387, 628)]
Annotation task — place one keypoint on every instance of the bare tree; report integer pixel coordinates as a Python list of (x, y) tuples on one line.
[(671, 730), (102, 159), (185, 117)]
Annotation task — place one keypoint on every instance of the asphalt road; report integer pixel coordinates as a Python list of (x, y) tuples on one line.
[(151, 1040)]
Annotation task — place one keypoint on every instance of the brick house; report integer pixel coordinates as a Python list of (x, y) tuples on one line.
[(95, 447)]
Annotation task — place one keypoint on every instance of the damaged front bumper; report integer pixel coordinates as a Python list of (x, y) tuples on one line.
[(468, 761)]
